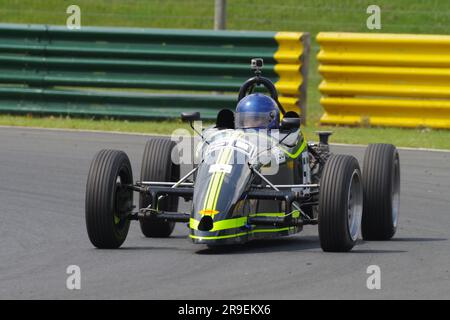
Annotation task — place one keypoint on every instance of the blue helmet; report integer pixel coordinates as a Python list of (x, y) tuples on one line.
[(257, 111)]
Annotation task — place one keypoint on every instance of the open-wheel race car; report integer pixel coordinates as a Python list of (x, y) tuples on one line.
[(255, 176)]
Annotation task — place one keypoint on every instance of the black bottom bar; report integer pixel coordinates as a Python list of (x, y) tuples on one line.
[(276, 221), (165, 216)]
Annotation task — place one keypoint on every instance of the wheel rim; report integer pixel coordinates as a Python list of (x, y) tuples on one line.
[(354, 205), (122, 199), (396, 192), (118, 196)]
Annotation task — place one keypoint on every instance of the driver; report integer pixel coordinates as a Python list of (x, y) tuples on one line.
[(257, 111)]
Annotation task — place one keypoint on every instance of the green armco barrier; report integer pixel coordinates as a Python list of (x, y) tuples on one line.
[(142, 73), (111, 104)]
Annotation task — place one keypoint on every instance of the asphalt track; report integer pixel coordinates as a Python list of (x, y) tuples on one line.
[(42, 231)]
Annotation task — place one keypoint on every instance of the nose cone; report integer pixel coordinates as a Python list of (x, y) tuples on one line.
[(216, 192), (219, 186)]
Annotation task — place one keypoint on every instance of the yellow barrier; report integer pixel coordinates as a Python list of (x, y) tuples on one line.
[(292, 59), (385, 79)]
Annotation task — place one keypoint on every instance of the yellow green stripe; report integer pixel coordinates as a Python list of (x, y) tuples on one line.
[(238, 222), (268, 214), (241, 234), (211, 182), (220, 177), (298, 152), (193, 223), (222, 224), (295, 214), (219, 237), (271, 230), (209, 199), (216, 181)]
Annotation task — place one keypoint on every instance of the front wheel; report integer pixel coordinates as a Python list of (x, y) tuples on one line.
[(108, 201), (340, 204), (157, 165), (381, 178)]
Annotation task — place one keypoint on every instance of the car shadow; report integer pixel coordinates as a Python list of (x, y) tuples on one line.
[(374, 251), (296, 244), (265, 246), (142, 248), (291, 244), (417, 239)]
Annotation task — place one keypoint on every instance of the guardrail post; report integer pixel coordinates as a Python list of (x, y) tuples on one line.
[(220, 15)]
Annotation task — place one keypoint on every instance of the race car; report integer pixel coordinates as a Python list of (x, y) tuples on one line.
[(255, 176)]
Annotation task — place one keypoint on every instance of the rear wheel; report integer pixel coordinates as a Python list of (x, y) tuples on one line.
[(340, 204), (157, 165), (108, 201), (381, 179)]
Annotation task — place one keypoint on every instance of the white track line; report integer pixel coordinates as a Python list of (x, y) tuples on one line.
[(165, 135), (85, 131), (400, 148)]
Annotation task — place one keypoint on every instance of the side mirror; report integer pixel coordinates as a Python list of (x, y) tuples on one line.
[(290, 123), (190, 116)]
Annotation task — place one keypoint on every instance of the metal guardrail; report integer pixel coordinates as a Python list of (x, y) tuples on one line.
[(110, 71), (396, 80)]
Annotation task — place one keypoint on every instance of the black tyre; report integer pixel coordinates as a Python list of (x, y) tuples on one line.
[(340, 204), (157, 165), (381, 180), (107, 200)]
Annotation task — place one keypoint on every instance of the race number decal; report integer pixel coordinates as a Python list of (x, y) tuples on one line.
[(220, 168)]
